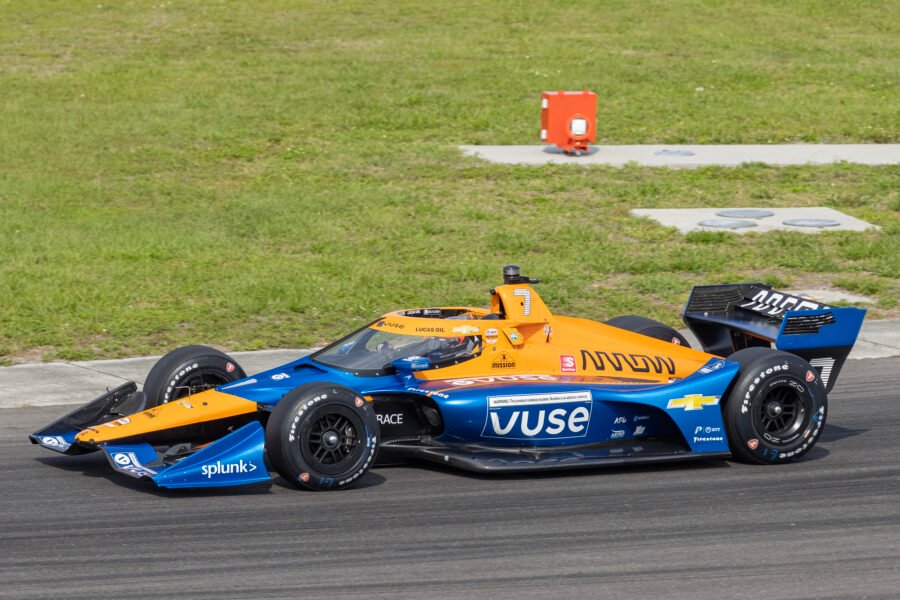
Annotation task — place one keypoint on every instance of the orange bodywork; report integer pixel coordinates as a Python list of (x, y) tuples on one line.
[(531, 340), (200, 408)]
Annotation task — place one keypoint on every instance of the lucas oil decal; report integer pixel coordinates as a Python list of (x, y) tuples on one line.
[(538, 416)]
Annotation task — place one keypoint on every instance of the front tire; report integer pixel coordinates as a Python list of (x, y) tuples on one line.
[(322, 436), (189, 370), (775, 411)]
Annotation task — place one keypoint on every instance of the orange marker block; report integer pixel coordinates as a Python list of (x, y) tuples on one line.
[(569, 120)]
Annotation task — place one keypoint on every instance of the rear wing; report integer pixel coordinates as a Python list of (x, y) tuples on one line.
[(728, 318)]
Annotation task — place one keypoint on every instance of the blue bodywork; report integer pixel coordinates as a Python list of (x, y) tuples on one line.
[(536, 410)]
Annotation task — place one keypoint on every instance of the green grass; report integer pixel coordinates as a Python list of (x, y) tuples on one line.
[(273, 173)]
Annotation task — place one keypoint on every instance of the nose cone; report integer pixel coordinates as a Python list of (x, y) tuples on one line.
[(205, 406)]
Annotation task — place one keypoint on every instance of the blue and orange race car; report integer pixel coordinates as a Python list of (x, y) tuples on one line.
[(508, 388)]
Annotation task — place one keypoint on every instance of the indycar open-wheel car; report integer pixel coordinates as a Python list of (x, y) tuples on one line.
[(507, 388)]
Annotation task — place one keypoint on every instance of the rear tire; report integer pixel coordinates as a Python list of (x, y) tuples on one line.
[(650, 328), (775, 411), (322, 436), (189, 370)]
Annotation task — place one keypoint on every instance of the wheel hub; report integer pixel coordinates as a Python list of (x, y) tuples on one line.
[(780, 414), (331, 440)]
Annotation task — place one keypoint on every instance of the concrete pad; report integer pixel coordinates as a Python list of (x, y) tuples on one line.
[(688, 219), (51, 384), (882, 333), (681, 156), (832, 296), (136, 369)]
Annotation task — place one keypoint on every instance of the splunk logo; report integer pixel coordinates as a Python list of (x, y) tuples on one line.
[(220, 468), (538, 416)]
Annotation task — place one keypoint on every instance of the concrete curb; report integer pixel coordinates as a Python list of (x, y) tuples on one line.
[(692, 156), (68, 383), (61, 383)]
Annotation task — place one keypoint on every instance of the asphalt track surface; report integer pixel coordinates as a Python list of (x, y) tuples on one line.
[(826, 527)]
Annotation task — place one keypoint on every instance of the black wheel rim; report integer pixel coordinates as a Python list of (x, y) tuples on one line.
[(199, 381), (331, 441), (780, 413)]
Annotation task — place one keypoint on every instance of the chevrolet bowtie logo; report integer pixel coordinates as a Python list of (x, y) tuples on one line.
[(693, 402)]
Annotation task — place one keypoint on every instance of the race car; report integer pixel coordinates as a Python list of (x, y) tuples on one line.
[(508, 388)]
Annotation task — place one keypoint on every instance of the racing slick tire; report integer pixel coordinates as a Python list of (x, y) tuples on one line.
[(189, 370), (775, 409), (322, 436), (650, 328)]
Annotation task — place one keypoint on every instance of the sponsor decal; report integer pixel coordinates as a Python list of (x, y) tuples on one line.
[(703, 440), (280, 376), (641, 418), (617, 433), (514, 337), (772, 303), (712, 366), (427, 392), (152, 413), (390, 419), (466, 329), (639, 430), (240, 384), (229, 367), (707, 430), (430, 330), (503, 361), (620, 420), (810, 376), (123, 421), (753, 444), (220, 468), (391, 324), (304, 476), (693, 402), (423, 312), (129, 463), (57, 442), (538, 416), (500, 379), (567, 363), (186, 404), (359, 402), (491, 332), (618, 361)]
